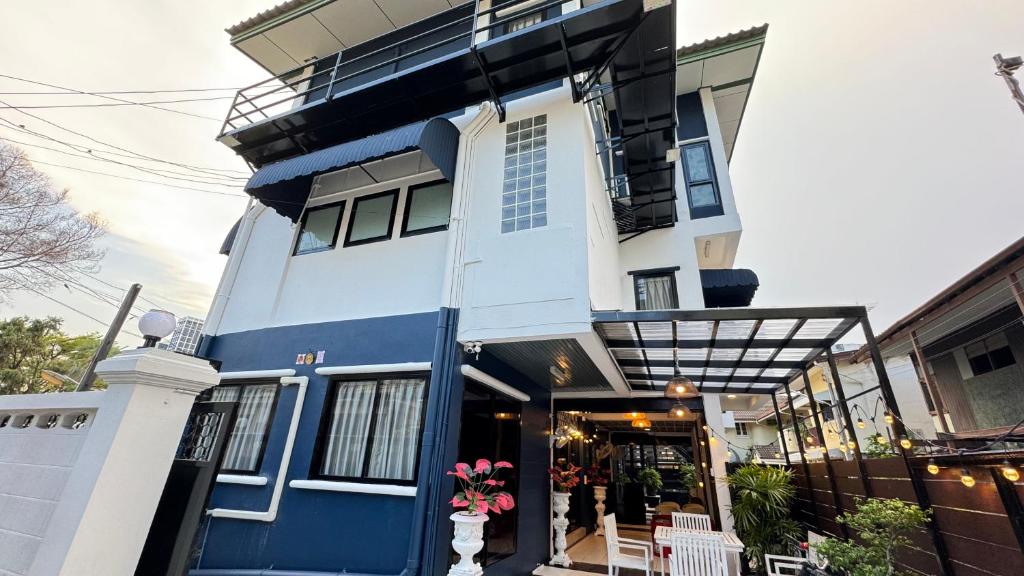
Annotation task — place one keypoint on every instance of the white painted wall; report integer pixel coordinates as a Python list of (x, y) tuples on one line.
[(79, 501), (602, 236)]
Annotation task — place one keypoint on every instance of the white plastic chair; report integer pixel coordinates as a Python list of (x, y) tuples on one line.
[(617, 558), (777, 565), (691, 521), (696, 554)]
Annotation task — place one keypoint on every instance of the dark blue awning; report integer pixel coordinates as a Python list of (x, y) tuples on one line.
[(728, 288), (229, 240), (285, 186)]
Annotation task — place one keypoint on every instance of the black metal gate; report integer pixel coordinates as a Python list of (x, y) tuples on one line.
[(168, 548)]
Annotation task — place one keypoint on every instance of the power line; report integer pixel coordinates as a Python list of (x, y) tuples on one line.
[(219, 193), (113, 104), (65, 93), (153, 171), (134, 156), (114, 98), (73, 309), (116, 287)]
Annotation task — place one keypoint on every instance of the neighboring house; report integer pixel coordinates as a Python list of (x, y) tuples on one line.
[(967, 346), (186, 336), (437, 212)]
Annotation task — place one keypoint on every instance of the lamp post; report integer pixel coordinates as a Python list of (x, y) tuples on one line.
[(1005, 67), (154, 325)]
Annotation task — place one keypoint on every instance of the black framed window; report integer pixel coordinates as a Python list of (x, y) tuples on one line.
[(318, 230), (257, 402), (701, 184), (371, 429), (655, 289), (989, 354), (428, 208), (741, 429), (372, 218)]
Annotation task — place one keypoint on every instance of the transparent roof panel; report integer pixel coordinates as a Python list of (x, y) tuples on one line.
[(735, 329), (777, 372), (719, 371), (627, 353), (662, 370), (818, 328), (793, 354), (651, 331), (726, 353), (694, 330), (692, 353), (659, 354), (775, 329), (618, 331), (758, 354), (748, 372)]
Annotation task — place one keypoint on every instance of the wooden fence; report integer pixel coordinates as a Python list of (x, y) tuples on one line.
[(980, 528)]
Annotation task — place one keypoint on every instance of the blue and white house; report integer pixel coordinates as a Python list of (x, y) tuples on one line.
[(445, 197)]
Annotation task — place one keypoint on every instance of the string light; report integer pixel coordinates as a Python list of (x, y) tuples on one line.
[(881, 440), (966, 479), (1009, 472), (905, 443), (888, 418), (932, 468), (861, 424), (852, 445)]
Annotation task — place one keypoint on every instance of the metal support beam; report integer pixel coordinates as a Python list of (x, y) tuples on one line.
[(490, 85), (837, 501), (851, 432), (933, 389), (800, 447), (782, 432), (568, 64), (883, 380)]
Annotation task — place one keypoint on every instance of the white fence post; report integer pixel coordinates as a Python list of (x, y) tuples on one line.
[(115, 469)]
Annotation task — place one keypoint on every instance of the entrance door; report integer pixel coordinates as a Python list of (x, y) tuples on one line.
[(168, 547), (491, 430)]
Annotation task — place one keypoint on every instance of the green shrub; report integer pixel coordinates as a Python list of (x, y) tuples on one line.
[(762, 496), (688, 475), (651, 479), (882, 526)]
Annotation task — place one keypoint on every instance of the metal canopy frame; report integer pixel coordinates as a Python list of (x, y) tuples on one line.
[(734, 350)]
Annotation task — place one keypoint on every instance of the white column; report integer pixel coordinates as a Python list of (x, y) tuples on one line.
[(719, 456), (105, 512)]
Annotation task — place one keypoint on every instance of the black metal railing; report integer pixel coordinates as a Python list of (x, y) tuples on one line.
[(320, 80)]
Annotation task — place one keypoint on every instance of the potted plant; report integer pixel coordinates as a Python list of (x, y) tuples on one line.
[(564, 477), (882, 526), (599, 478), (479, 493), (651, 480), (688, 477), (762, 496)]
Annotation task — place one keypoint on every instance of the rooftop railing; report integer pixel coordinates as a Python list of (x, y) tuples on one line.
[(320, 80)]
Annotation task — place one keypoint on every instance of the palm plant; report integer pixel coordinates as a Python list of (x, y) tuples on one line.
[(762, 496)]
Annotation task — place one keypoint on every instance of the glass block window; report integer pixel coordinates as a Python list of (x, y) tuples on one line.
[(524, 191)]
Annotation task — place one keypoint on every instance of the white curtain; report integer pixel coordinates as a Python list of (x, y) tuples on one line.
[(251, 421), (397, 429), (350, 427), (658, 293)]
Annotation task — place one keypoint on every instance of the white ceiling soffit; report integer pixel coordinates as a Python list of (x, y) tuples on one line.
[(729, 75), (331, 27)]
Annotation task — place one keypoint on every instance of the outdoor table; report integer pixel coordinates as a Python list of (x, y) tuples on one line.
[(733, 545)]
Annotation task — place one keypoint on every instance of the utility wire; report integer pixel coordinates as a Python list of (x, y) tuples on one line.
[(122, 289), (121, 92), (219, 193), (114, 98), (73, 309), (90, 138), (113, 104)]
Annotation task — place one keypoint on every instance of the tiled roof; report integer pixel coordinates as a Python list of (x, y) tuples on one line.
[(747, 34), (265, 16)]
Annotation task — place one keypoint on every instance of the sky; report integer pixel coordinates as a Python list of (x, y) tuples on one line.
[(878, 161)]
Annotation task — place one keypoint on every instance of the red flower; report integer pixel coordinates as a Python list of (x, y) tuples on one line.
[(483, 466), (459, 502), (493, 482), (502, 464), (504, 501)]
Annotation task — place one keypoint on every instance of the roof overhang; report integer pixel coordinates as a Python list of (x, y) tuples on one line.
[(285, 186), (728, 288), (300, 30), (727, 65), (738, 350)]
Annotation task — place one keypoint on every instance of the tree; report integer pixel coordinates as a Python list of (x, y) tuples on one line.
[(43, 239), (35, 354), (882, 526)]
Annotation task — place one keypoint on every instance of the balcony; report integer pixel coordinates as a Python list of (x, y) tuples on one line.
[(476, 52)]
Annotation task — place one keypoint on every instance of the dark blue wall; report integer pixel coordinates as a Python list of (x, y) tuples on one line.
[(315, 530), (690, 113)]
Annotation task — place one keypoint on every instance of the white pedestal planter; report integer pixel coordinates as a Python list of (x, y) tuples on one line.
[(467, 542), (560, 523), (600, 493)]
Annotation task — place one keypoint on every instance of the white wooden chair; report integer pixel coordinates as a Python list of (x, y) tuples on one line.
[(691, 521), (695, 554), (783, 565), (617, 548)]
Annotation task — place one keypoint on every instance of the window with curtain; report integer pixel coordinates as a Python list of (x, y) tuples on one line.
[(427, 208), (256, 403), (372, 429), (319, 228), (655, 291), (701, 186), (372, 218)]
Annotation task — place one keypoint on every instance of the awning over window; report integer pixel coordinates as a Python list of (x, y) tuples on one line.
[(229, 240), (728, 288), (285, 186), (742, 350)]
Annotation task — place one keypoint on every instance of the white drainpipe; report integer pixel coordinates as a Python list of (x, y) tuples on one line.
[(227, 282), (275, 500)]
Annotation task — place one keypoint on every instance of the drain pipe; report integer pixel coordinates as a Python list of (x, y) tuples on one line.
[(286, 457)]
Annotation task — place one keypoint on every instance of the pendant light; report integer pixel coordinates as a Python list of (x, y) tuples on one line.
[(679, 386), (679, 412)]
